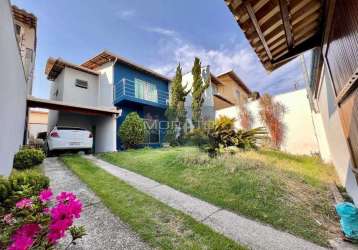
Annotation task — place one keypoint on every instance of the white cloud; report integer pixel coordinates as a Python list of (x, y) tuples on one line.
[(125, 14), (237, 56)]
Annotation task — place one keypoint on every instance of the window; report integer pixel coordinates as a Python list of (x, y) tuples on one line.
[(146, 91), (81, 84), (17, 29), (29, 54), (238, 95)]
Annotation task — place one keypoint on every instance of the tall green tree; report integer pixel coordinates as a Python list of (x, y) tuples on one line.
[(176, 110), (199, 86)]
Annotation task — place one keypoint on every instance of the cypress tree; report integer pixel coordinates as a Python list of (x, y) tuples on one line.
[(198, 90), (176, 110)]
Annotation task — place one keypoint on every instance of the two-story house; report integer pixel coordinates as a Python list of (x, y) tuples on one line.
[(136, 89), (100, 87), (232, 88), (25, 30)]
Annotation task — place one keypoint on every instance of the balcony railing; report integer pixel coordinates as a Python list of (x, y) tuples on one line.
[(139, 91)]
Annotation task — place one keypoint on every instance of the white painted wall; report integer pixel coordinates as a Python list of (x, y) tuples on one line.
[(208, 105), (106, 134), (337, 144), (300, 135), (106, 79), (13, 91), (76, 95)]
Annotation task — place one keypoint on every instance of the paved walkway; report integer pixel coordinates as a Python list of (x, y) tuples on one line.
[(104, 230), (238, 228)]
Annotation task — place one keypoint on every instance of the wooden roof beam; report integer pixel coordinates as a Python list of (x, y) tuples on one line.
[(306, 45), (286, 22), (251, 13)]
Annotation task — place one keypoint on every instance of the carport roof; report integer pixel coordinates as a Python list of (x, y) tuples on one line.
[(35, 102)]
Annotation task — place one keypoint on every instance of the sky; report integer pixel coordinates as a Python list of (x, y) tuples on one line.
[(154, 33)]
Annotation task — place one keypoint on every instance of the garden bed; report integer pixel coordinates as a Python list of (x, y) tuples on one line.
[(289, 192)]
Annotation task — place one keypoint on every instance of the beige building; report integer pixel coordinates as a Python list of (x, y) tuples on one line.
[(37, 123), (25, 30), (229, 90)]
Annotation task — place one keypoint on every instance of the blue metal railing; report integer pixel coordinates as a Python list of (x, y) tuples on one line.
[(127, 88)]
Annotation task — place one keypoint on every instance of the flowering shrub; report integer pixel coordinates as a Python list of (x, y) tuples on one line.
[(33, 224)]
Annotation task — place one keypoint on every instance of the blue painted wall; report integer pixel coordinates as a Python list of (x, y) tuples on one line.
[(142, 107)]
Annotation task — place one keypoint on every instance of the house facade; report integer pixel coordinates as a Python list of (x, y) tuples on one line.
[(281, 30), (37, 123), (136, 89), (26, 35), (108, 82), (233, 88)]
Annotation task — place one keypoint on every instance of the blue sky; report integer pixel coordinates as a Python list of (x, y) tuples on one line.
[(154, 33)]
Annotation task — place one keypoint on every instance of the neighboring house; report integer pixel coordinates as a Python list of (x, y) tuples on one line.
[(25, 30), (13, 91), (233, 88), (280, 30), (37, 123)]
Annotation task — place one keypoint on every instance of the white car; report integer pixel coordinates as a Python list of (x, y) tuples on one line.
[(69, 138)]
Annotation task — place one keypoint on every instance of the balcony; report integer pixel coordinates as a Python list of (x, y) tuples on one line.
[(140, 92)]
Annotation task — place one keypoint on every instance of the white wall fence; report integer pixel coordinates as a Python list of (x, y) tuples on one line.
[(13, 91), (304, 133)]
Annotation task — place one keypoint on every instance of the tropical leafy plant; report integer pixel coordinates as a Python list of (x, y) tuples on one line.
[(223, 135)]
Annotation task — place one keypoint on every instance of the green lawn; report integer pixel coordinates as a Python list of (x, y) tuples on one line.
[(159, 225), (289, 192)]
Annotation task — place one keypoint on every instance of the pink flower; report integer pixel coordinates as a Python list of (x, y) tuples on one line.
[(24, 203), (46, 210), (21, 243), (23, 237), (8, 219), (45, 195), (65, 197), (62, 215)]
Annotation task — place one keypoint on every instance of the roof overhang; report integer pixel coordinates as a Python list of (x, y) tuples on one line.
[(105, 57), (24, 17), (221, 102), (34, 102), (236, 79), (279, 30), (55, 66)]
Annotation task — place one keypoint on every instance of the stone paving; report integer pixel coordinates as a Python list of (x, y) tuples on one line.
[(104, 230)]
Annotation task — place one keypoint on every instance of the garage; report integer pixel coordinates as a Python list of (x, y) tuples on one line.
[(100, 121)]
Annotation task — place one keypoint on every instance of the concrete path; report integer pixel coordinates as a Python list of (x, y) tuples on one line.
[(238, 228), (104, 230)]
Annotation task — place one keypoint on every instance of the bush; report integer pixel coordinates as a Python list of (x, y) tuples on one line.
[(132, 130), (21, 184), (223, 135), (197, 137), (28, 157)]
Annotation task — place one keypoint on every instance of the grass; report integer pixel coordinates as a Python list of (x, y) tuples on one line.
[(159, 225), (289, 192)]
